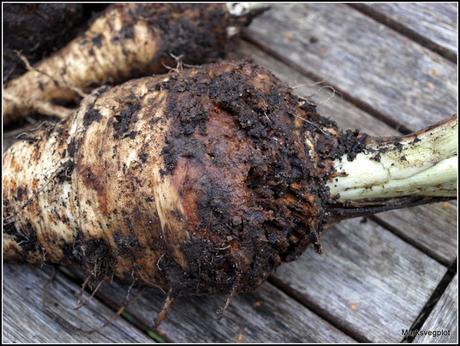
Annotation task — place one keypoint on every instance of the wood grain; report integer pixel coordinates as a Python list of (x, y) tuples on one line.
[(432, 227), (372, 282), (38, 314), (373, 64), (267, 315), (443, 317), (434, 23)]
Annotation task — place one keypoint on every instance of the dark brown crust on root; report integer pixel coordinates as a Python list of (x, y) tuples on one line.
[(237, 131), (194, 32)]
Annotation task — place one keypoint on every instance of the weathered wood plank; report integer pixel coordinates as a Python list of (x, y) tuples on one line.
[(433, 227), (373, 64), (267, 315), (35, 314), (443, 317), (368, 279), (435, 22)]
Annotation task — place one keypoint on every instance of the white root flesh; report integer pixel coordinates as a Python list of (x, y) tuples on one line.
[(422, 164)]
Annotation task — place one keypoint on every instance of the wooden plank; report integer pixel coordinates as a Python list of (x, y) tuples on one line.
[(32, 313), (376, 66), (368, 279), (435, 23), (432, 227), (443, 318), (267, 315)]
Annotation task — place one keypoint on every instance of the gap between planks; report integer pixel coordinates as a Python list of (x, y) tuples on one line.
[(443, 315), (133, 320), (425, 249), (432, 301), (315, 308), (404, 30)]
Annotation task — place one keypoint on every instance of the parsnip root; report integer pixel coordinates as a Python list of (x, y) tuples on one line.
[(201, 181)]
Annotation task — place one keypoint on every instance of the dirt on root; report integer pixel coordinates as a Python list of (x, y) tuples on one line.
[(260, 194)]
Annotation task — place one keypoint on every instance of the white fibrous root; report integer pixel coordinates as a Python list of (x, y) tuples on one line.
[(421, 164)]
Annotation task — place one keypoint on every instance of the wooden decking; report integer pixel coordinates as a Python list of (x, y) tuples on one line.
[(383, 68)]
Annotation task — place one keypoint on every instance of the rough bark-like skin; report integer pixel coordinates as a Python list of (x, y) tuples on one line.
[(128, 40), (200, 181)]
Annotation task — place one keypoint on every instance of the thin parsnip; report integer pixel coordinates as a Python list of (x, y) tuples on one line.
[(204, 180), (128, 40)]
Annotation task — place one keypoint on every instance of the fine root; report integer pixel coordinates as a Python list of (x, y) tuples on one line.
[(164, 310), (81, 304)]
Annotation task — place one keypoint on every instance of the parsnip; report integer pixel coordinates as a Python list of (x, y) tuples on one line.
[(128, 40), (201, 181)]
